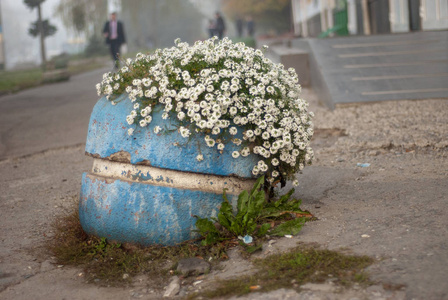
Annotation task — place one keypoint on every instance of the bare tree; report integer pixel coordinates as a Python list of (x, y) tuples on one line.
[(41, 28)]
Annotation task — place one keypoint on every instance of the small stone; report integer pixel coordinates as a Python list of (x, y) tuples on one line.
[(173, 288), (193, 266), (376, 290), (197, 282), (374, 153), (182, 293), (125, 276), (365, 236)]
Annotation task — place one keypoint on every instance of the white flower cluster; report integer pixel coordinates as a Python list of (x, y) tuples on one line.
[(222, 89)]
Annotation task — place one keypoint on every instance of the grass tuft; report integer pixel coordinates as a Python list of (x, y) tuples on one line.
[(13, 81), (17, 80), (106, 262), (294, 268)]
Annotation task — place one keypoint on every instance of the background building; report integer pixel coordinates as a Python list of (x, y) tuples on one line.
[(313, 18)]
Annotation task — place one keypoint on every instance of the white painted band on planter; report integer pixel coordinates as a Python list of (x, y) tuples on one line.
[(170, 178)]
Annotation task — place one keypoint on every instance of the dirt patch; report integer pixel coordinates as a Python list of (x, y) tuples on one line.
[(326, 137)]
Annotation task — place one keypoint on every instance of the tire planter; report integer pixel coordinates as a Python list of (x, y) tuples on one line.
[(146, 188)]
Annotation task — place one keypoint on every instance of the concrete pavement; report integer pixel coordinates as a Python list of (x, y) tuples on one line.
[(47, 117), (394, 210)]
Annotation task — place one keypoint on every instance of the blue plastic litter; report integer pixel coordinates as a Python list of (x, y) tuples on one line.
[(363, 165), (247, 239)]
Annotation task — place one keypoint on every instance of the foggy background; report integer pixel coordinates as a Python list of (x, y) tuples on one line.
[(21, 49), (148, 24)]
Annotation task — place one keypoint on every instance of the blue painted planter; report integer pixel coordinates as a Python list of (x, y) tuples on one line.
[(147, 188)]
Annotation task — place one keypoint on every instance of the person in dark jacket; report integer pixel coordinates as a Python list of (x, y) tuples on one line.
[(211, 28), (220, 25), (239, 26), (113, 31), (250, 26)]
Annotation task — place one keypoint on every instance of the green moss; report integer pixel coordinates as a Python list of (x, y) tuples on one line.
[(294, 268), (105, 262)]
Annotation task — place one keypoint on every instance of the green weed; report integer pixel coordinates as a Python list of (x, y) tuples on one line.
[(254, 216), (294, 268)]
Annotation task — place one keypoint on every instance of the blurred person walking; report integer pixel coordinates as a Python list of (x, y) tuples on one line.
[(220, 25), (239, 26), (250, 26), (113, 31), (211, 28)]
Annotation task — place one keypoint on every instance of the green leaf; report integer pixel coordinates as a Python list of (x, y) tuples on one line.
[(225, 215), (224, 195), (250, 248), (211, 239), (270, 212), (264, 229), (259, 201), (257, 185), (205, 226), (295, 205), (236, 227), (292, 227), (244, 218), (243, 199), (250, 227), (283, 199)]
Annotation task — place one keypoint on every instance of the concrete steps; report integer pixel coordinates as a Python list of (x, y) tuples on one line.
[(378, 68)]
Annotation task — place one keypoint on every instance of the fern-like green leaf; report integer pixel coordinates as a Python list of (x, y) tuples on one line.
[(291, 227)]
